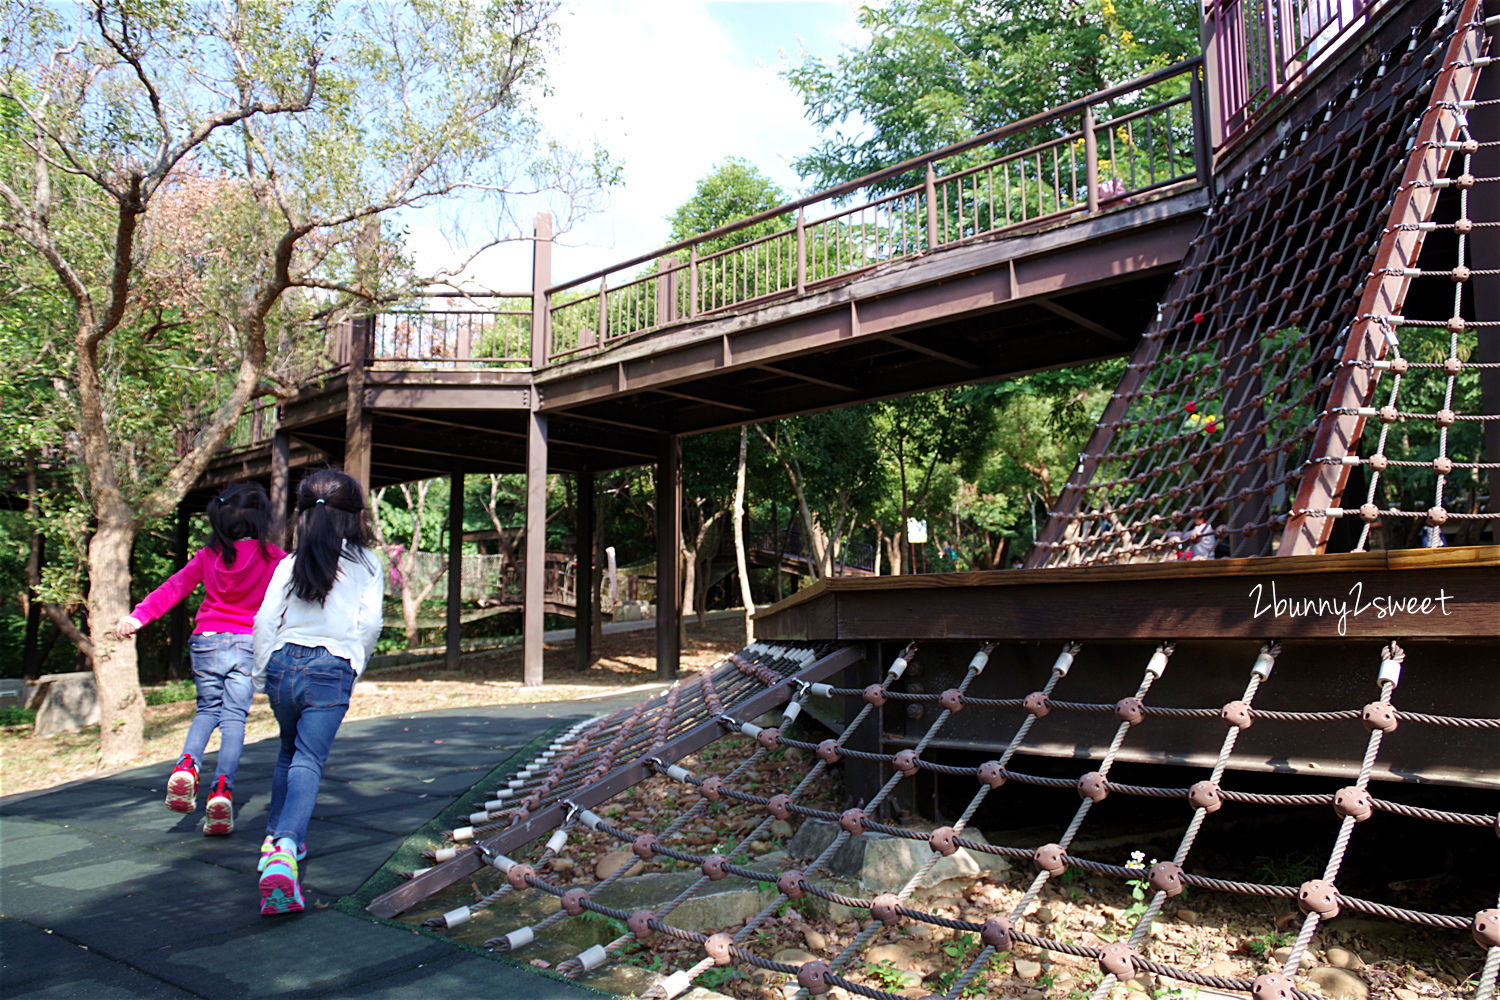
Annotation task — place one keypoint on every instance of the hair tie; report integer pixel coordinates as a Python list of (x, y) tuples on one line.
[(319, 500)]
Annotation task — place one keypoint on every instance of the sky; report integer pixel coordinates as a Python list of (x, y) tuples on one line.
[(670, 88)]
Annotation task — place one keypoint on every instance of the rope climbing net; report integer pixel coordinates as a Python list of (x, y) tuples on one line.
[(1311, 302), (577, 779)]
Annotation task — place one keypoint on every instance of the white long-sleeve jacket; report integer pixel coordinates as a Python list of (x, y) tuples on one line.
[(347, 623)]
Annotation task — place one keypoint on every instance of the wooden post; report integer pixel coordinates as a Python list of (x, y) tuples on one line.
[(693, 280), (930, 190), (541, 278), (801, 252), (584, 606), (668, 557), (1203, 135), (281, 487), (1091, 160), (534, 584), (601, 333), (664, 286), (455, 568), (358, 433), (177, 650), (1212, 93)]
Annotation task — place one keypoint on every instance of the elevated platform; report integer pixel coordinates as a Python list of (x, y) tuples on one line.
[(1330, 615), (1076, 290)]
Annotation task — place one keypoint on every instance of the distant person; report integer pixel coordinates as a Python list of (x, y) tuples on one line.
[(313, 636), (234, 568), (1198, 542)]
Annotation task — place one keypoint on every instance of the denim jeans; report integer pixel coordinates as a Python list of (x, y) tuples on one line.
[(221, 672), (309, 693)]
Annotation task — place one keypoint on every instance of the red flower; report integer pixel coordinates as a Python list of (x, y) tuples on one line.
[(1199, 317), (1192, 407), (1209, 427)]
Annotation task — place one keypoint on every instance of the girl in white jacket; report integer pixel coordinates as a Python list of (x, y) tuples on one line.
[(313, 634)]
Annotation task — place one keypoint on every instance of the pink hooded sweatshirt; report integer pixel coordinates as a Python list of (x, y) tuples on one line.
[(231, 594)]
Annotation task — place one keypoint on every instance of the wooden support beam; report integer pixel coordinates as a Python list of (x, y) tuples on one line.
[(584, 607), (804, 377), (912, 345), (1079, 320), (358, 430), (534, 583), (454, 632), (704, 400), (668, 557), (281, 487)]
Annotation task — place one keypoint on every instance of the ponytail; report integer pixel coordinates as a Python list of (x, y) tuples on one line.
[(242, 510), (330, 516)]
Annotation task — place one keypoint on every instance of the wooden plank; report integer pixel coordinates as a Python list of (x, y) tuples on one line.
[(507, 841), (1326, 597), (448, 397), (1444, 602)]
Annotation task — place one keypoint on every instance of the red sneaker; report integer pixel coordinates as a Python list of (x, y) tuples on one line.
[(182, 786), (218, 815)]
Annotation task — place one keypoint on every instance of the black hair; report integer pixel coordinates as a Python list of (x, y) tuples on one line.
[(242, 510), (330, 513)]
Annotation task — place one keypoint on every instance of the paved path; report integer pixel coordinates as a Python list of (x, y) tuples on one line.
[(105, 893)]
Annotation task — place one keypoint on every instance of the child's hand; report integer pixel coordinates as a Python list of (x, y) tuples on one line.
[(127, 627)]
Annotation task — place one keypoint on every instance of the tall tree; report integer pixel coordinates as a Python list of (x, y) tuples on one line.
[(735, 189), (936, 72), (176, 169)]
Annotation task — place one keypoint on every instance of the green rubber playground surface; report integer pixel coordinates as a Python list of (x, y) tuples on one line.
[(105, 893)]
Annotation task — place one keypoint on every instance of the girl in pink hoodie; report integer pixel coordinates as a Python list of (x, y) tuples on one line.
[(234, 568)]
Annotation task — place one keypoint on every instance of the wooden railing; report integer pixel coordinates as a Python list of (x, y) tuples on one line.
[(463, 330), (1072, 161), (1090, 155)]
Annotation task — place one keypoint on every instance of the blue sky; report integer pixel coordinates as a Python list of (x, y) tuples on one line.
[(669, 89)]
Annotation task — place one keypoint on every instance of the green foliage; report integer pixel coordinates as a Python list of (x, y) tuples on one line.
[(1285, 869), (963, 950), (15, 715), (734, 190), (888, 975), (190, 199), (171, 692), (1262, 945), (716, 976)]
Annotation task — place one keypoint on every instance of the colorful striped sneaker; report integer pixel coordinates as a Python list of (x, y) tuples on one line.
[(182, 786), (218, 815), (279, 890), (268, 848)]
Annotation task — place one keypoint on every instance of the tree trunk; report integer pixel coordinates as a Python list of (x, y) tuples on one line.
[(122, 710), (814, 555), (893, 552), (689, 581), (740, 560)]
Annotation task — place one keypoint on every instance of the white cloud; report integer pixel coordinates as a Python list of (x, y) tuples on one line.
[(663, 89)]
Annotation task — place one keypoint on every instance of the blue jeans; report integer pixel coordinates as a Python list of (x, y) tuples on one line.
[(221, 672), (309, 693)]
